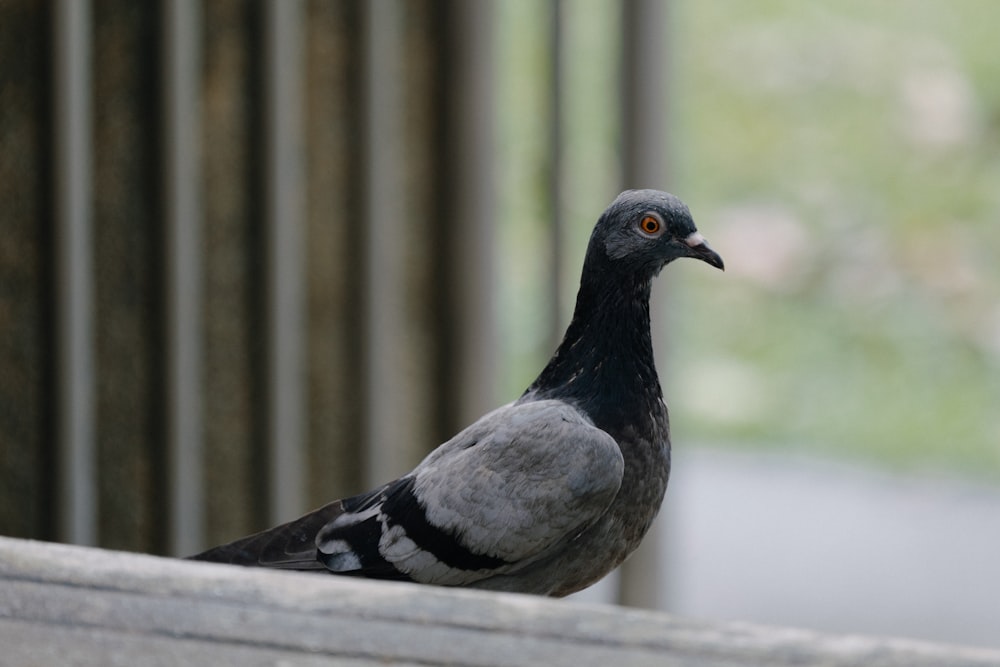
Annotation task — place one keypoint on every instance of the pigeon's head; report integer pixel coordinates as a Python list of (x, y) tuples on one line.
[(644, 230)]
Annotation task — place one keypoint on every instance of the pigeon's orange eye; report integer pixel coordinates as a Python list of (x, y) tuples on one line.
[(650, 225)]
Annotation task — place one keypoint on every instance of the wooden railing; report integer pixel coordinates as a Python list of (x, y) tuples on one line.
[(70, 605)]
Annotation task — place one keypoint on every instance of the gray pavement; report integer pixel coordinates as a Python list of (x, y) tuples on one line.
[(833, 547)]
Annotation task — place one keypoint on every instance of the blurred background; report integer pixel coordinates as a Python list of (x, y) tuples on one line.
[(260, 255)]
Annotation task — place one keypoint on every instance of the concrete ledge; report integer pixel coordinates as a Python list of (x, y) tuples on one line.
[(66, 605)]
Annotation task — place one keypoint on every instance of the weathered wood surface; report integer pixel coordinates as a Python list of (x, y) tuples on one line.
[(66, 605)]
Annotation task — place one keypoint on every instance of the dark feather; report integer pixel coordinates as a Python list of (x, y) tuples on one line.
[(291, 545)]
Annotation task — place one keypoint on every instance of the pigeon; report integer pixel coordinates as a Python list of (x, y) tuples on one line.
[(546, 494)]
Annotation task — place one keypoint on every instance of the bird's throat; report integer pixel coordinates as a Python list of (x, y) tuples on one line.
[(605, 362)]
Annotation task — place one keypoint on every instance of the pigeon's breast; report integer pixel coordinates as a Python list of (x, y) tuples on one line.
[(603, 545), (619, 532)]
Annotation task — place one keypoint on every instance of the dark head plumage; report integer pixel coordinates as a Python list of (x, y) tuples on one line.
[(644, 230)]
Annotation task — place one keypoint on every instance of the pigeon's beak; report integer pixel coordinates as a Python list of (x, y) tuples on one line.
[(699, 249)]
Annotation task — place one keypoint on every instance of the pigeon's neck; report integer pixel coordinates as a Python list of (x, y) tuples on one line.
[(605, 361)]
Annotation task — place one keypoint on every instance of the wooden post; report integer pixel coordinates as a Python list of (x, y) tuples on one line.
[(644, 146)]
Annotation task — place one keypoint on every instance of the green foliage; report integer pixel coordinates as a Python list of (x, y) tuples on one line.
[(845, 159)]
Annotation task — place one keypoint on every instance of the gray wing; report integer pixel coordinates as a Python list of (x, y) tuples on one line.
[(510, 489)]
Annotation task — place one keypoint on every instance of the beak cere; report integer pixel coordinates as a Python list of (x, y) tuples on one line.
[(700, 250), (694, 239)]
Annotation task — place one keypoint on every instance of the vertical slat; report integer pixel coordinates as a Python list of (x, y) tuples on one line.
[(77, 488), (283, 194), (334, 207), (182, 221), (644, 100), (644, 165), (471, 215), (232, 224), (383, 221), (556, 175), (129, 330)]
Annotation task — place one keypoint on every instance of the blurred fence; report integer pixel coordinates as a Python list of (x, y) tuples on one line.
[(247, 259)]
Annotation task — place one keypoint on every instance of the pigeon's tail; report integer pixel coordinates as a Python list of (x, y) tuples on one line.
[(290, 546)]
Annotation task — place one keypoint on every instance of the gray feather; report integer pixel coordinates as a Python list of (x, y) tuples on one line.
[(504, 490)]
